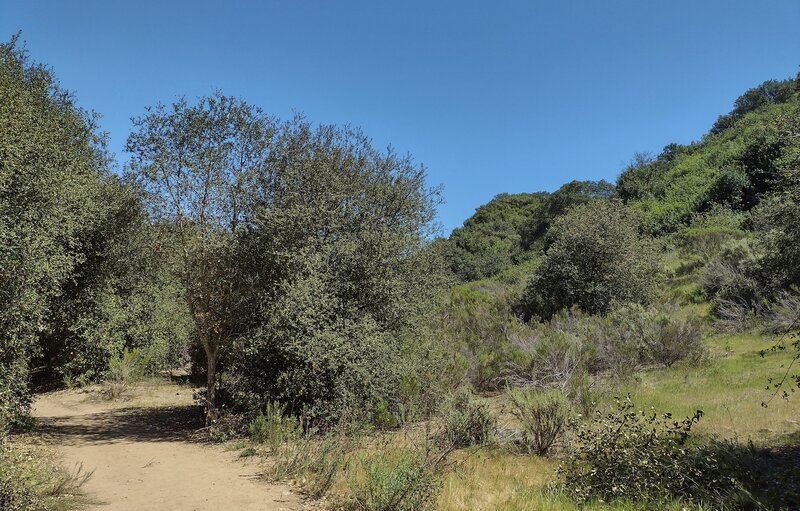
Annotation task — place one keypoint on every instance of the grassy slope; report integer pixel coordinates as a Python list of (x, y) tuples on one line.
[(729, 388)]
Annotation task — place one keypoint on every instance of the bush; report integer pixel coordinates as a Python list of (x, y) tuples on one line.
[(632, 336), (273, 427), (596, 258), (626, 454), (468, 422), (404, 481), (549, 357), (783, 315), (542, 415), (125, 370)]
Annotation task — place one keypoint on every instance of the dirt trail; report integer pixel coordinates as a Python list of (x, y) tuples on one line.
[(143, 459)]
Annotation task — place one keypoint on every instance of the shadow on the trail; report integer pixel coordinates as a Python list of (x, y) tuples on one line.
[(164, 424)]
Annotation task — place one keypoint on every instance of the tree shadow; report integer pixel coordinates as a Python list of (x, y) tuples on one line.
[(160, 424), (770, 474)]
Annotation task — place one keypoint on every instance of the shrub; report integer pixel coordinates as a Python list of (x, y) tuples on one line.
[(783, 315), (626, 454), (273, 427), (670, 336), (404, 481), (542, 415), (127, 369), (595, 258), (468, 422), (548, 357), (633, 335)]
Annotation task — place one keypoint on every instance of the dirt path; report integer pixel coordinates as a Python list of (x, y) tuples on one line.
[(143, 460)]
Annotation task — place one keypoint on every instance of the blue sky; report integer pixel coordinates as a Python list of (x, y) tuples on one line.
[(491, 97)]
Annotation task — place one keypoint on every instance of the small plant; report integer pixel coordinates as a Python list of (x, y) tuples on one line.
[(248, 452), (125, 370), (542, 415), (468, 422), (407, 480), (632, 455), (272, 427), (383, 418)]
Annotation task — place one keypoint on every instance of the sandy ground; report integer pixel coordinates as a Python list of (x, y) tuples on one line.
[(143, 458)]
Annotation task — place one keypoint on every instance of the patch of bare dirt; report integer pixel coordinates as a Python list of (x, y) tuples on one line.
[(143, 458)]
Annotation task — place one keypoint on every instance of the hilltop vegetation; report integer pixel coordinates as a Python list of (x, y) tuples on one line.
[(293, 270)]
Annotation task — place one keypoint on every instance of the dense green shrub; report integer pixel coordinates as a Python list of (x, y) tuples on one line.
[(596, 258), (76, 284), (626, 454), (543, 416), (339, 280), (467, 422)]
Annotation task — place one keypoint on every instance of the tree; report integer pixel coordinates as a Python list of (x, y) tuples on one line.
[(196, 165), (54, 188), (490, 240), (595, 258), (560, 202), (342, 278)]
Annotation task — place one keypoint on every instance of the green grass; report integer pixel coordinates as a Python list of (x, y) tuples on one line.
[(729, 389)]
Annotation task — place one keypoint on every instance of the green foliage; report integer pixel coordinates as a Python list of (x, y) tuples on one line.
[(543, 416), (559, 203), (73, 268), (273, 427), (473, 321), (734, 165), (467, 422), (127, 369), (769, 92), (404, 481), (342, 278), (491, 239), (595, 259), (625, 454)]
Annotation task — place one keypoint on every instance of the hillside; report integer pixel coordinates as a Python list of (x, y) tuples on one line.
[(734, 166)]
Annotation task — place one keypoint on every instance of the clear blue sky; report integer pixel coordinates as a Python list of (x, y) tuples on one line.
[(491, 96)]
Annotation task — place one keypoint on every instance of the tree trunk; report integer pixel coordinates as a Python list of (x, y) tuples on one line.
[(211, 380)]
